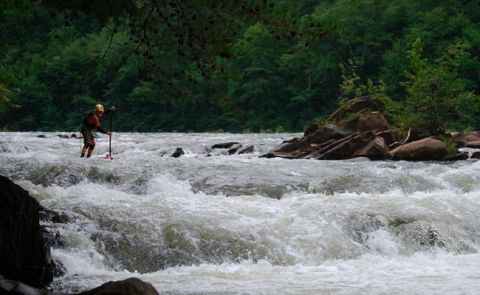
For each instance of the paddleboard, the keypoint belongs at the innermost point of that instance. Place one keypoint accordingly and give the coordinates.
(107, 156)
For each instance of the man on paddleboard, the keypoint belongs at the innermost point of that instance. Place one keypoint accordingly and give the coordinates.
(91, 122)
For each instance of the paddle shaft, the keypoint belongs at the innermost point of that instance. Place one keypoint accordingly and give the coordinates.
(110, 137)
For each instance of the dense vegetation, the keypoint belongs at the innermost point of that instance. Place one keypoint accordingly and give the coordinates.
(240, 66)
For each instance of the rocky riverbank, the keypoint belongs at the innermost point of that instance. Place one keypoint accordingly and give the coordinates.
(360, 128)
(26, 264)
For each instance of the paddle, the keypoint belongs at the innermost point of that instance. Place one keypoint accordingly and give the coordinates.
(109, 155)
(110, 139)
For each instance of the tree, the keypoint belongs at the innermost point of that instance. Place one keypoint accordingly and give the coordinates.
(437, 97)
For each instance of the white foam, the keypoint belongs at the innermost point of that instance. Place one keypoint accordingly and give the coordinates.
(342, 227)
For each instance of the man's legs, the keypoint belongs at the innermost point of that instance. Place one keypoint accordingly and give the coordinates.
(84, 150)
(88, 142)
(90, 148)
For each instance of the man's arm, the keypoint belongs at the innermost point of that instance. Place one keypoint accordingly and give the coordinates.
(93, 120)
(109, 111)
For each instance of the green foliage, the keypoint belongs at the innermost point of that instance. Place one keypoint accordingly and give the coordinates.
(352, 86)
(452, 147)
(437, 97)
(256, 65)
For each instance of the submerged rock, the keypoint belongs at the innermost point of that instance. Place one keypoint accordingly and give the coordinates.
(178, 152)
(234, 148)
(475, 155)
(246, 150)
(25, 255)
(130, 286)
(225, 145)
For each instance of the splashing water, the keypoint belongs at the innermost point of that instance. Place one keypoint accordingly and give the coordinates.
(209, 223)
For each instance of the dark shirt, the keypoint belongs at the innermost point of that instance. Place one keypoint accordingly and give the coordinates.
(92, 121)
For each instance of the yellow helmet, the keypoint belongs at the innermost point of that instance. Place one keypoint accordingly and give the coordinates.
(99, 108)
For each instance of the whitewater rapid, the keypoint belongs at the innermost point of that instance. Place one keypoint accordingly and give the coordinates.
(213, 223)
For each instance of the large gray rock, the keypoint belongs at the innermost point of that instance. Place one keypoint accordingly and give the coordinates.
(130, 286)
(25, 255)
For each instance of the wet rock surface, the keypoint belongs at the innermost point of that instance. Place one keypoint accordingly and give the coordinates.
(178, 152)
(131, 286)
(360, 129)
(25, 253)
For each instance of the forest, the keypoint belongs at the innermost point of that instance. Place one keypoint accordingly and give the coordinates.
(237, 65)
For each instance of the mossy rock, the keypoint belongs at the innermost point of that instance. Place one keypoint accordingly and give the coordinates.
(359, 105)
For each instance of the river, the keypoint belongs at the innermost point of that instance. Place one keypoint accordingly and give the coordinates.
(212, 223)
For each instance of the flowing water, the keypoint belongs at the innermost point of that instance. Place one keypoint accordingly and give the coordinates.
(213, 223)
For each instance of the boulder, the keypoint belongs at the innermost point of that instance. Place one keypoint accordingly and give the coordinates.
(311, 129)
(344, 148)
(60, 218)
(339, 141)
(25, 255)
(475, 155)
(130, 286)
(357, 105)
(421, 150)
(225, 145)
(291, 149)
(377, 149)
(357, 124)
(464, 138)
(387, 136)
(345, 128)
(246, 150)
(178, 152)
(360, 128)
(374, 121)
(234, 148)
(472, 144)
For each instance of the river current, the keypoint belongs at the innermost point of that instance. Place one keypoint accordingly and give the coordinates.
(212, 223)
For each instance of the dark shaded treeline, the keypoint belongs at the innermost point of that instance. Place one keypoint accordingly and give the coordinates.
(237, 65)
